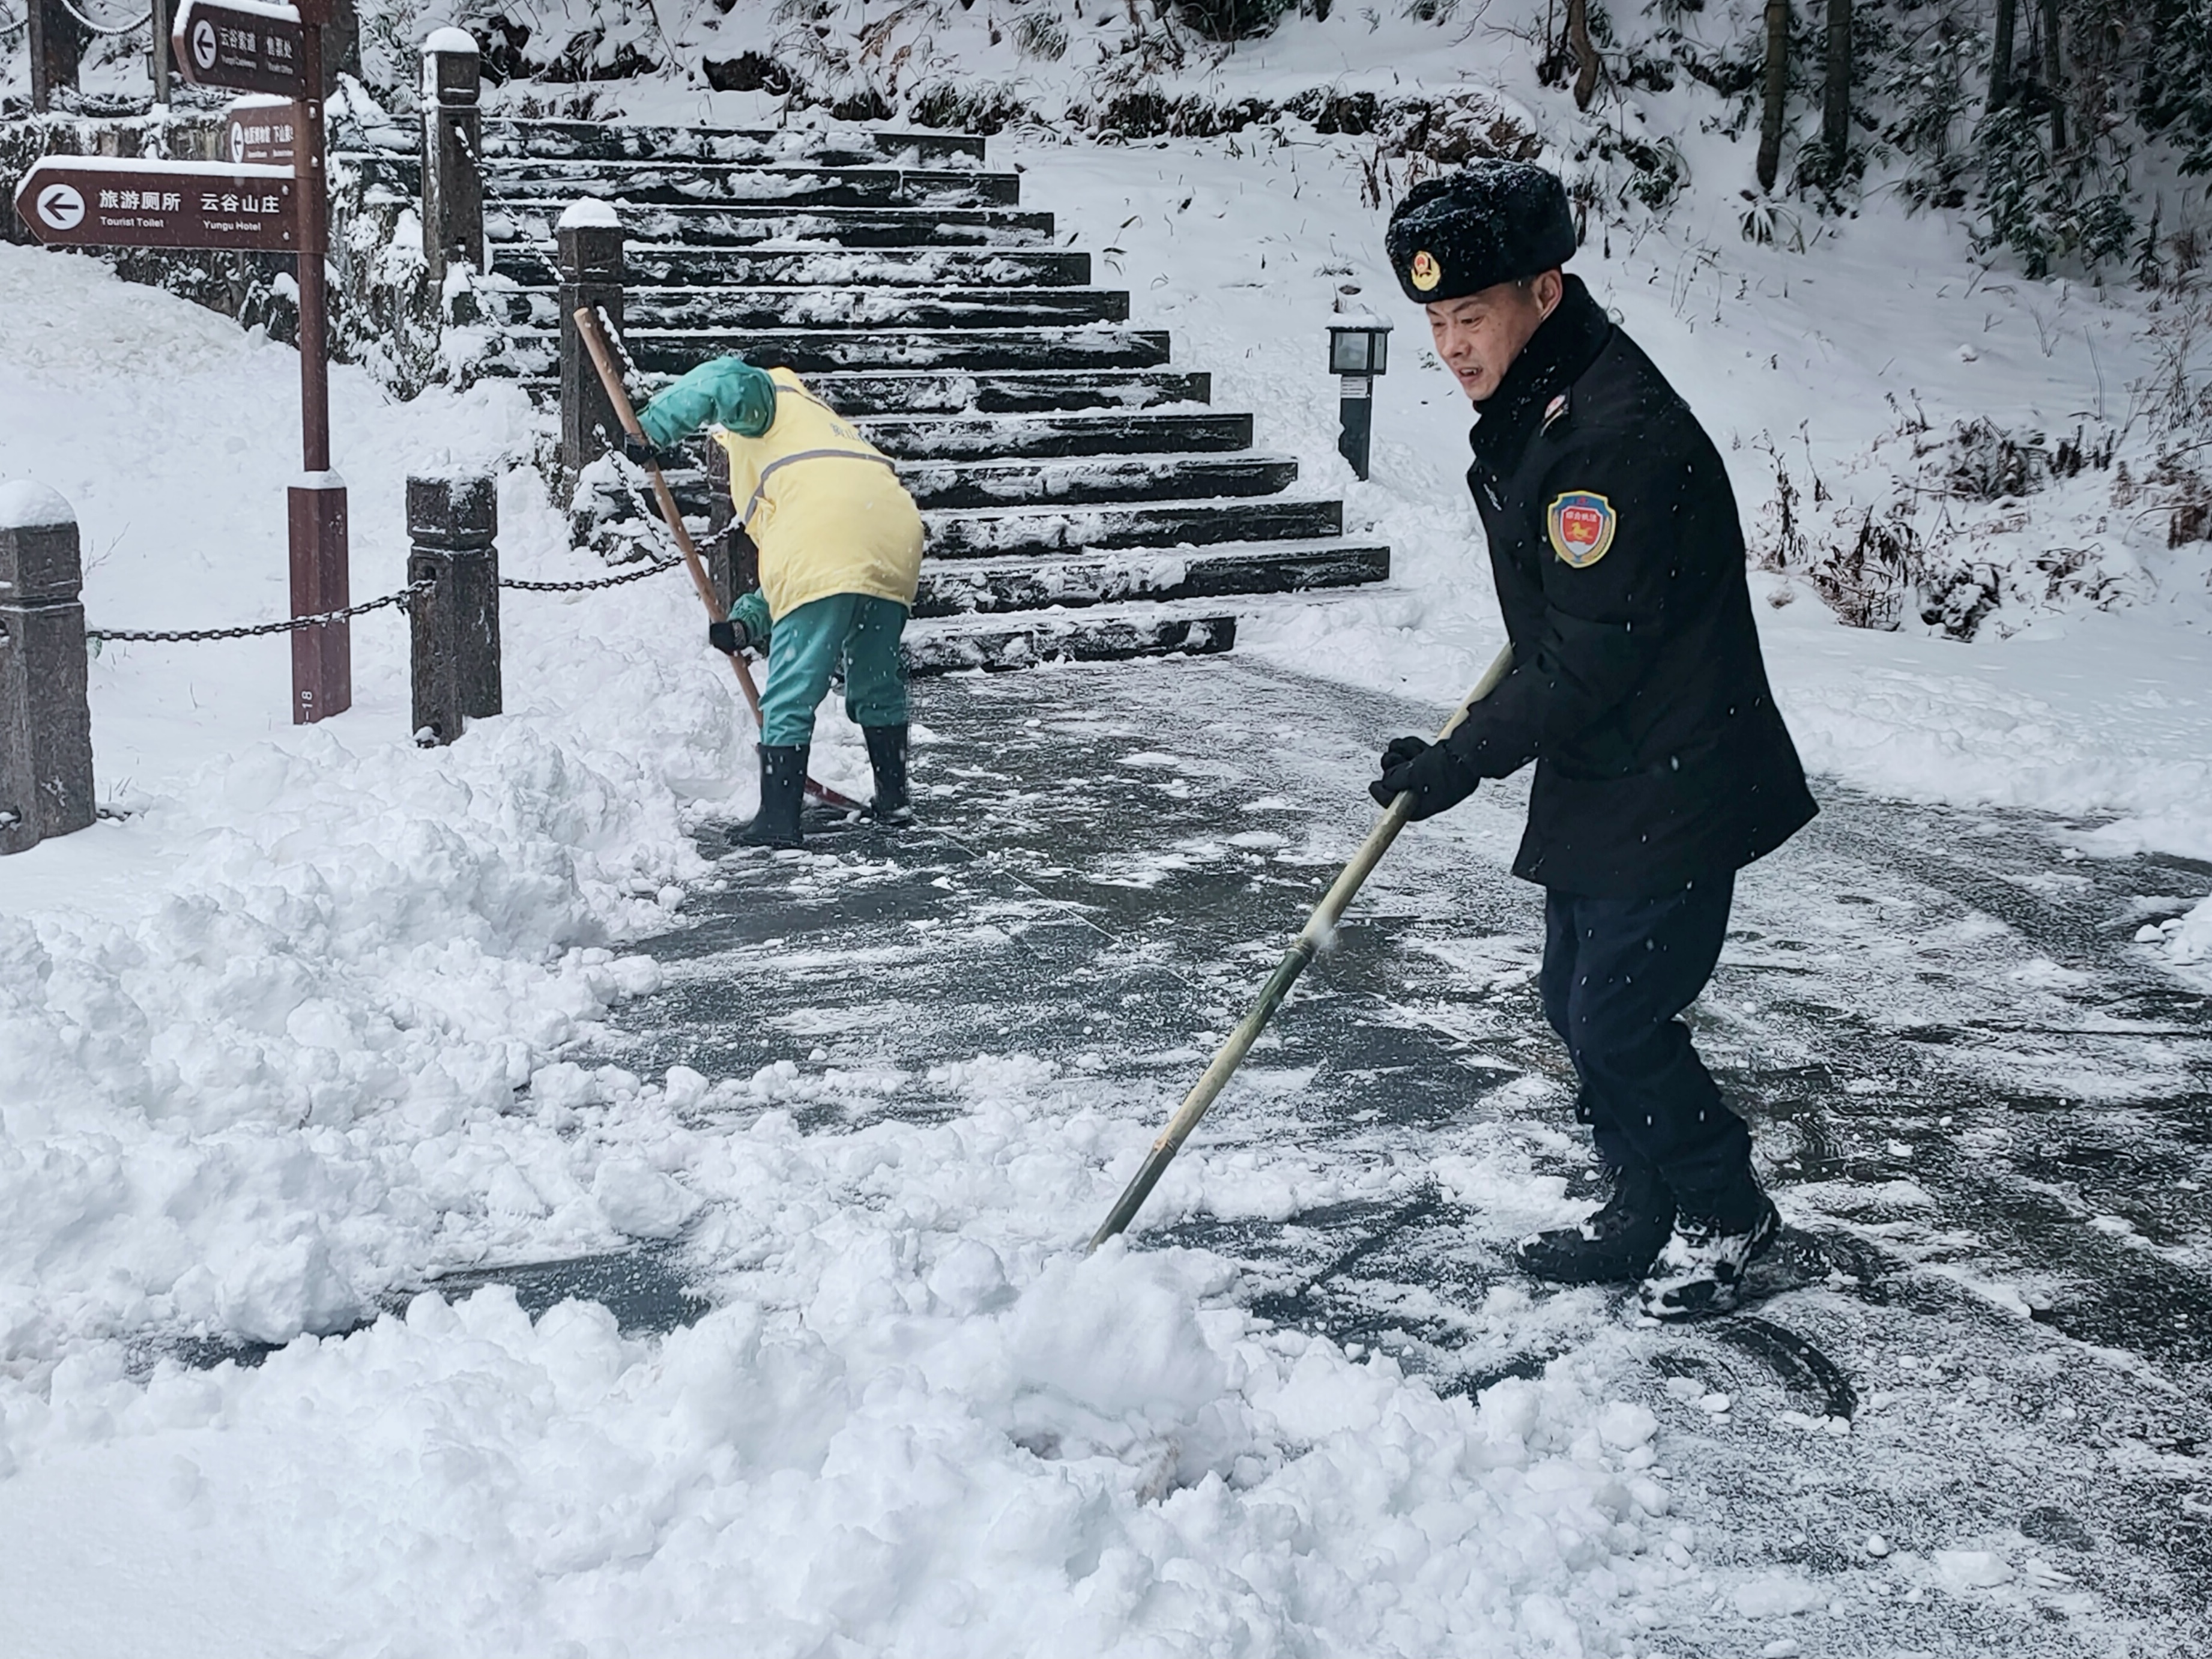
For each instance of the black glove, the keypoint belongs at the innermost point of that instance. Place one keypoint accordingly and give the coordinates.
(1438, 778)
(730, 636)
(640, 451)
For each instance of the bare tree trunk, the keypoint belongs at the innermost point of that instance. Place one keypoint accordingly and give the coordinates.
(1836, 93)
(2054, 73)
(1585, 54)
(1777, 91)
(2000, 51)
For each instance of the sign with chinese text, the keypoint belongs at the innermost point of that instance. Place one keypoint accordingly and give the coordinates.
(83, 201)
(240, 44)
(263, 132)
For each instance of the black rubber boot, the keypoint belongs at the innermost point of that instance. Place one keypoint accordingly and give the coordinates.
(1616, 1245)
(887, 757)
(782, 792)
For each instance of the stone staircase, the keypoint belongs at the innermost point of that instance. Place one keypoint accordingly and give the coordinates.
(1082, 500)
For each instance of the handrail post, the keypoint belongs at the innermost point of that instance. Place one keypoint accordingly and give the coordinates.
(453, 147)
(452, 523)
(590, 241)
(46, 715)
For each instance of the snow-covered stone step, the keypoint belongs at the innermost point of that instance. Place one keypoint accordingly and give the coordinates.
(1104, 633)
(920, 395)
(861, 394)
(932, 437)
(1072, 481)
(613, 141)
(851, 187)
(509, 138)
(1007, 482)
(686, 182)
(756, 308)
(537, 351)
(992, 587)
(1043, 532)
(668, 264)
(822, 227)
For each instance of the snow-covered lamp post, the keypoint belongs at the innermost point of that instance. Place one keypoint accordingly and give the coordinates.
(1359, 350)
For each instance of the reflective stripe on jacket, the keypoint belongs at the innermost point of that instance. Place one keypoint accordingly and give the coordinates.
(823, 506)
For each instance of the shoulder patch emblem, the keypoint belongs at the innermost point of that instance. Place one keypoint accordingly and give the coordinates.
(1581, 526)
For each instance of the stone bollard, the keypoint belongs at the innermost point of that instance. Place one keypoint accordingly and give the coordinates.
(452, 519)
(590, 240)
(57, 42)
(732, 561)
(46, 719)
(453, 146)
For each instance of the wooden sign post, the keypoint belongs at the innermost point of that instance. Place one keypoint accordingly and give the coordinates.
(251, 46)
(278, 49)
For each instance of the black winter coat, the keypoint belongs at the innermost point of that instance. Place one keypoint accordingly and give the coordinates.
(1637, 687)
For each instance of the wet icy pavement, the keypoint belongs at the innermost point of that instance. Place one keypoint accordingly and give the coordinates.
(1984, 1110)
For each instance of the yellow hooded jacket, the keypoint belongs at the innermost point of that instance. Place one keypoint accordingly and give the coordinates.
(824, 506)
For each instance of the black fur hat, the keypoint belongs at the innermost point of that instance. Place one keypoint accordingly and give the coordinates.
(1490, 222)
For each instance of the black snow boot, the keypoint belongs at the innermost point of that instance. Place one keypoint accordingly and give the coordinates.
(782, 793)
(1701, 1271)
(887, 759)
(1616, 1245)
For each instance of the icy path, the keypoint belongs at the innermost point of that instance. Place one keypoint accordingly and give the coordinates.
(1985, 1110)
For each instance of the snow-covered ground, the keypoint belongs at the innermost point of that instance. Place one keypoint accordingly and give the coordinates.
(285, 1043)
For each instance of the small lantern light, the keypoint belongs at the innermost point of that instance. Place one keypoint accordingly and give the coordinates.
(1359, 350)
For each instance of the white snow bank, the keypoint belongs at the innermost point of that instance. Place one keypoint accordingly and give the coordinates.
(858, 1462)
(259, 1044)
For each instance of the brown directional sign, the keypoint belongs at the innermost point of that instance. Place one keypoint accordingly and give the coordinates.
(263, 132)
(91, 202)
(240, 44)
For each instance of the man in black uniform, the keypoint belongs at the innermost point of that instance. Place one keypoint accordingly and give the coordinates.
(1662, 766)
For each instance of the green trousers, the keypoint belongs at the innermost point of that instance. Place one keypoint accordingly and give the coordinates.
(856, 629)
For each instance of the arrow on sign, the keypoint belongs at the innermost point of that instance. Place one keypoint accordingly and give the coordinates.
(61, 207)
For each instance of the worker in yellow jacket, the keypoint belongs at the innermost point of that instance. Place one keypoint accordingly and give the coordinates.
(840, 545)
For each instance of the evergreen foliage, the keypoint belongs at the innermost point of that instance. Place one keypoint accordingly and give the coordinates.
(2176, 99)
(2059, 152)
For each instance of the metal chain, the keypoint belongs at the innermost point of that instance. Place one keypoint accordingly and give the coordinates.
(291, 625)
(602, 581)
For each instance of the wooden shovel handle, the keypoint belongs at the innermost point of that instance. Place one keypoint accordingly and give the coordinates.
(595, 342)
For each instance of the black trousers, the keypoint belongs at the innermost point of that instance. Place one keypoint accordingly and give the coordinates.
(1617, 972)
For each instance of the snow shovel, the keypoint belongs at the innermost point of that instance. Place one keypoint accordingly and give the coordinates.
(1319, 928)
(595, 342)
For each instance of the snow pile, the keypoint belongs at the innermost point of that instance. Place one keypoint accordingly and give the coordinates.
(2188, 940)
(255, 1105)
(254, 1040)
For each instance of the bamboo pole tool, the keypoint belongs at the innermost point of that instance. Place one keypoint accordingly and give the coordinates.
(1319, 928)
(595, 342)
